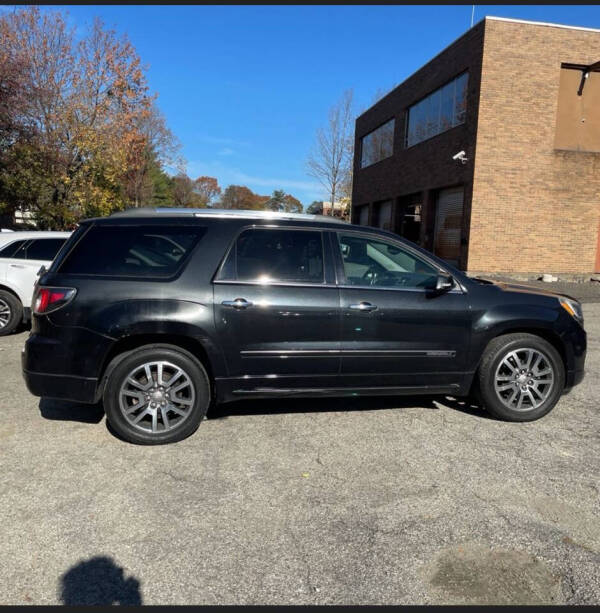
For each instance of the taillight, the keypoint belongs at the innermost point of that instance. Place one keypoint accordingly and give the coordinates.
(48, 299)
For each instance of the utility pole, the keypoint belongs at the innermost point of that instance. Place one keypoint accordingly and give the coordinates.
(472, 14)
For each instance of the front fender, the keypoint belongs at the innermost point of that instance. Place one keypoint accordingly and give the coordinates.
(503, 319)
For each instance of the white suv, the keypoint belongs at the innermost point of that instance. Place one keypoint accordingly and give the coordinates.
(22, 254)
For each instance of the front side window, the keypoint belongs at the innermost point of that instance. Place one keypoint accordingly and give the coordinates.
(9, 250)
(441, 110)
(378, 144)
(44, 248)
(275, 256)
(132, 251)
(376, 262)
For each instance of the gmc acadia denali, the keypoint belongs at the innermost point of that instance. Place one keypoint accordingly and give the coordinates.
(159, 312)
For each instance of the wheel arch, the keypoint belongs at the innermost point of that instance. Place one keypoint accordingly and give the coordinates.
(10, 290)
(126, 345)
(547, 334)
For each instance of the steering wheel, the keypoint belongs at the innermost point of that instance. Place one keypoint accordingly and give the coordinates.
(371, 275)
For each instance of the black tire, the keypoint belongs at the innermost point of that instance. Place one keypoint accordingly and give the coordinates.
(15, 316)
(494, 354)
(118, 373)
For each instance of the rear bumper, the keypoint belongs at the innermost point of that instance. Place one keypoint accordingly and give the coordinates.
(52, 385)
(64, 387)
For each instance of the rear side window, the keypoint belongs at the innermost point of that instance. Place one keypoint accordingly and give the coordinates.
(132, 251)
(9, 251)
(44, 248)
(265, 256)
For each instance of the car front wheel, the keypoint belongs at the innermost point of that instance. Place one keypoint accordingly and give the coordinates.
(156, 394)
(521, 377)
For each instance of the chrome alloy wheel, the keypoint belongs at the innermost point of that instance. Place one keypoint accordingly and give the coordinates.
(157, 397)
(5, 313)
(524, 379)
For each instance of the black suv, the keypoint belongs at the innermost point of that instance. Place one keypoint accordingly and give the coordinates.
(160, 312)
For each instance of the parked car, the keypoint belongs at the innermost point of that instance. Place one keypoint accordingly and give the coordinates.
(160, 312)
(22, 254)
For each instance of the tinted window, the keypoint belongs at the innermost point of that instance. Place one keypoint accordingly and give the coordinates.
(44, 248)
(441, 110)
(141, 251)
(8, 251)
(378, 144)
(276, 255)
(382, 264)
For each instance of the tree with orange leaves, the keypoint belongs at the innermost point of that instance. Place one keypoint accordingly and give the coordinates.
(77, 120)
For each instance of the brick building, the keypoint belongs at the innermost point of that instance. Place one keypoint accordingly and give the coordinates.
(522, 101)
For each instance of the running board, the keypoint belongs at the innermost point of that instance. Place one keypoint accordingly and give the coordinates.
(346, 391)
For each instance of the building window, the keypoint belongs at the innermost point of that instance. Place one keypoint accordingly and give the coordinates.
(378, 144)
(439, 111)
(578, 114)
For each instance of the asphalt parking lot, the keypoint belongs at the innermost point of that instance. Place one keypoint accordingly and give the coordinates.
(368, 501)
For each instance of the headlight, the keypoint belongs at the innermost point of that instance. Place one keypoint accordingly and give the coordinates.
(572, 307)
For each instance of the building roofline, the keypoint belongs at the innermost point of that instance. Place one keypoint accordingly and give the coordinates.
(412, 74)
(487, 17)
(542, 23)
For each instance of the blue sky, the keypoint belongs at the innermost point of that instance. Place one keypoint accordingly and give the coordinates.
(244, 88)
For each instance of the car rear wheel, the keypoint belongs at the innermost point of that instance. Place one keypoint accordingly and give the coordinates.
(11, 313)
(156, 394)
(521, 377)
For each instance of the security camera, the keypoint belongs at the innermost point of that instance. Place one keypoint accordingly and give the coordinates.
(460, 156)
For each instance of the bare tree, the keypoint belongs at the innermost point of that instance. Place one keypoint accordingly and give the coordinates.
(331, 160)
(159, 147)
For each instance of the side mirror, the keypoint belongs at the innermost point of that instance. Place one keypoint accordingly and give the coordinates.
(444, 283)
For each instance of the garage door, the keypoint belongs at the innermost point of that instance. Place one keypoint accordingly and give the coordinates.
(363, 215)
(385, 215)
(448, 224)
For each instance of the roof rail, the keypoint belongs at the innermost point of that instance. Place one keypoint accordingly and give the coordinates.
(224, 213)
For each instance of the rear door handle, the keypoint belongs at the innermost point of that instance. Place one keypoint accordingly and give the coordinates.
(17, 266)
(238, 303)
(363, 306)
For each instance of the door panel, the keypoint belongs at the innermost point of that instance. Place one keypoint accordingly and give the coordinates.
(23, 267)
(411, 338)
(22, 275)
(396, 328)
(285, 331)
(277, 309)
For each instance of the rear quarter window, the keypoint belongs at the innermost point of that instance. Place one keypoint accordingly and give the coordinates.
(8, 251)
(132, 251)
(44, 248)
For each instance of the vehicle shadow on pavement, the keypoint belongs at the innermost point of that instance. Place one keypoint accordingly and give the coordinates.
(329, 405)
(99, 581)
(274, 406)
(465, 405)
(63, 410)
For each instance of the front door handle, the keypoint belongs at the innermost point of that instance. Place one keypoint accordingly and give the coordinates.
(363, 306)
(238, 303)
